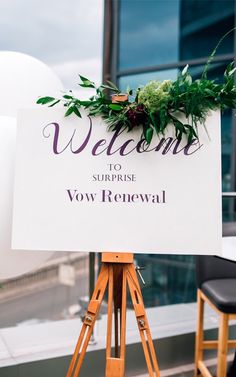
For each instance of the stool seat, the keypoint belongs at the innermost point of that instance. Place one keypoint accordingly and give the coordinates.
(216, 281)
(222, 293)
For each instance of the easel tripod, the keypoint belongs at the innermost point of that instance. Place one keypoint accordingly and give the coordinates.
(117, 272)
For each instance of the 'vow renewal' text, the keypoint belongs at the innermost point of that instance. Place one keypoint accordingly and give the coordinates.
(108, 196)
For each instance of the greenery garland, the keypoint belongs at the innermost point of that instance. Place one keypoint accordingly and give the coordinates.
(156, 104)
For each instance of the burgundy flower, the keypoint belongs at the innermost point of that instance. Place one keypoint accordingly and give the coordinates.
(137, 115)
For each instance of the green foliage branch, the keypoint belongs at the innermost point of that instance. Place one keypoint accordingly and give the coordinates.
(157, 104)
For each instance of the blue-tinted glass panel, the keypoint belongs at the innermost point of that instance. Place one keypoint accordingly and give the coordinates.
(202, 24)
(195, 29)
(149, 32)
(134, 81)
(170, 279)
(216, 72)
(229, 209)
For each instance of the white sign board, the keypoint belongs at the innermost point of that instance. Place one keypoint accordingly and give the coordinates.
(79, 187)
(229, 248)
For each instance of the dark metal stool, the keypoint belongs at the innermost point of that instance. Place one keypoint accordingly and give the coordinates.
(216, 281)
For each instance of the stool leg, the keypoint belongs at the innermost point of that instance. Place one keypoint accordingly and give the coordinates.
(199, 333)
(223, 345)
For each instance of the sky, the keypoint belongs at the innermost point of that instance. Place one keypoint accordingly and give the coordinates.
(66, 35)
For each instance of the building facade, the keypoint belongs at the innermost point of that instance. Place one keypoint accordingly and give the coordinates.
(155, 39)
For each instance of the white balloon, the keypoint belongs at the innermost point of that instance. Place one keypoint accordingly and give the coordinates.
(12, 262)
(22, 80)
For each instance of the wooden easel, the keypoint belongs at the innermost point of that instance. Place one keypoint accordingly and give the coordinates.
(116, 273)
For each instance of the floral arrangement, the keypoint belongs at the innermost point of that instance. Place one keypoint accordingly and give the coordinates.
(157, 104)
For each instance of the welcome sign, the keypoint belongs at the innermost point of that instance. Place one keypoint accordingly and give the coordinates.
(79, 187)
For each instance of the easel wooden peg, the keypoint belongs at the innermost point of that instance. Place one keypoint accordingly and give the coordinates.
(117, 273)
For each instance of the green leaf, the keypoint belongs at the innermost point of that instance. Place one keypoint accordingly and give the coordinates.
(115, 106)
(229, 84)
(190, 135)
(194, 133)
(82, 78)
(54, 103)
(211, 57)
(87, 103)
(76, 111)
(104, 86)
(154, 120)
(66, 96)
(149, 135)
(69, 111)
(86, 83)
(188, 79)
(184, 71)
(110, 83)
(96, 110)
(45, 100)
(210, 92)
(232, 71)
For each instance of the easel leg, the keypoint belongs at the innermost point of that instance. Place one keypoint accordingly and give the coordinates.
(123, 315)
(116, 328)
(115, 366)
(110, 311)
(144, 330)
(87, 328)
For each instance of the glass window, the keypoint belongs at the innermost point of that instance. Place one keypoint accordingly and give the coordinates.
(162, 32)
(216, 71)
(149, 33)
(159, 32)
(134, 81)
(202, 24)
(170, 279)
